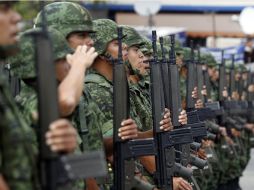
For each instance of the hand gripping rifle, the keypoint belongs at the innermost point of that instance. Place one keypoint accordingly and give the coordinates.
(191, 84)
(206, 112)
(198, 127)
(175, 107)
(214, 105)
(57, 170)
(228, 107)
(164, 141)
(200, 76)
(232, 107)
(126, 151)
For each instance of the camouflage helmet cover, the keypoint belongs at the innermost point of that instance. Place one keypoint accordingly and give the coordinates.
(208, 59)
(23, 64)
(146, 47)
(133, 38)
(66, 17)
(106, 31)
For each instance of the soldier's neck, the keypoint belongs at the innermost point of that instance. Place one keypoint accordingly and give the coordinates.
(133, 78)
(104, 68)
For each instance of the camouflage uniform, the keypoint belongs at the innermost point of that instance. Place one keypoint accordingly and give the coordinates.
(139, 100)
(22, 65)
(17, 145)
(99, 87)
(67, 18)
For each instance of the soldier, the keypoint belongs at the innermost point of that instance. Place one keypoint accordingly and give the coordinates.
(77, 30)
(138, 72)
(72, 20)
(22, 65)
(17, 151)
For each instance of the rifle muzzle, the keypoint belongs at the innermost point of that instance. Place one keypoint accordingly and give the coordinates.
(211, 136)
(140, 184)
(232, 123)
(195, 161)
(214, 127)
(183, 171)
(195, 146)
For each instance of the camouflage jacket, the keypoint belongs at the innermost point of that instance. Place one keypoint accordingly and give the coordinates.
(17, 144)
(81, 118)
(183, 91)
(101, 91)
(84, 119)
(142, 106)
(214, 91)
(144, 85)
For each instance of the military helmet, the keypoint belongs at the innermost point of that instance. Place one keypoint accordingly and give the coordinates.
(106, 31)
(133, 38)
(66, 17)
(146, 47)
(208, 59)
(243, 68)
(23, 64)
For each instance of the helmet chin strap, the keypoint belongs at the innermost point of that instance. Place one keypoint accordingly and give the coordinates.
(108, 57)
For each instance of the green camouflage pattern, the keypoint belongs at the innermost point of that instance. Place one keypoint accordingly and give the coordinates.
(23, 63)
(142, 106)
(144, 86)
(106, 31)
(28, 104)
(17, 144)
(214, 90)
(183, 87)
(208, 60)
(146, 47)
(66, 17)
(243, 68)
(133, 38)
(178, 47)
(101, 91)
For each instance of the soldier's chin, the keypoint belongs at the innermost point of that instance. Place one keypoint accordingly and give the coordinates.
(11, 40)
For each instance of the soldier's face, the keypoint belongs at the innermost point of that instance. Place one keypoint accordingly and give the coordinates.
(245, 76)
(237, 76)
(136, 58)
(8, 25)
(62, 69)
(112, 49)
(76, 39)
(213, 73)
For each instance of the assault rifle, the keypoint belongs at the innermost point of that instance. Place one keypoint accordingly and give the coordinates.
(125, 151)
(206, 112)
(198, 127)
(164, 141)
(170, 76)
(57, 170)
(229, 107)
(158, 146)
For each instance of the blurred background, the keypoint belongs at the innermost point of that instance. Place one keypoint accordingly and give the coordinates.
(212, 24)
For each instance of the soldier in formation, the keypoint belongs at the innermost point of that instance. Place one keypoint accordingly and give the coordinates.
(85, 52)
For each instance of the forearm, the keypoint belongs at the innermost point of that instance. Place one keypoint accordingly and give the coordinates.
(149, 163)
(3, 184)
(145, 134)
(108, 146)
(70, 90)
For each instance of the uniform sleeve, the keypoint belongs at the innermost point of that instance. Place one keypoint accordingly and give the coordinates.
(103, 98)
